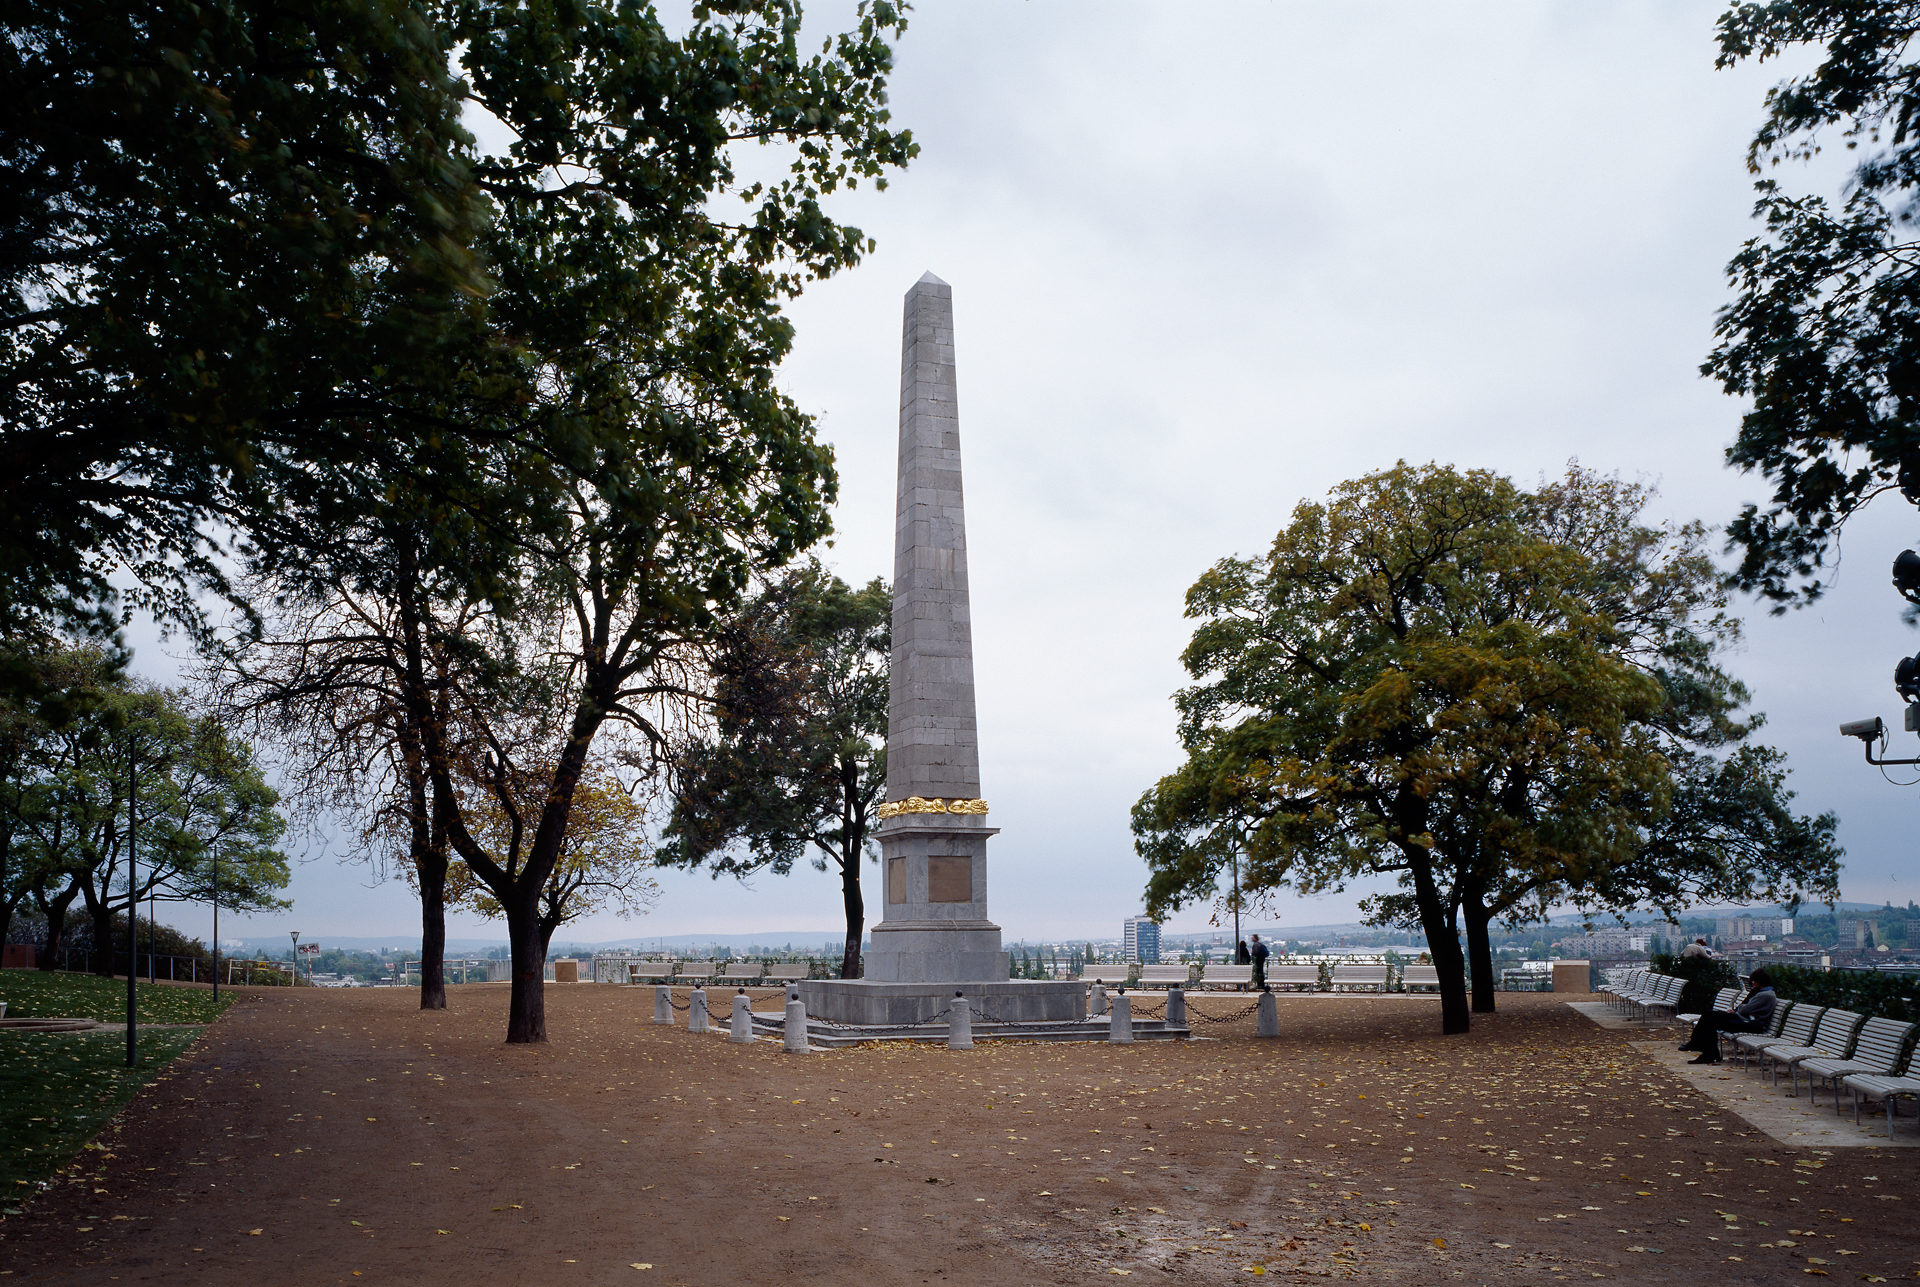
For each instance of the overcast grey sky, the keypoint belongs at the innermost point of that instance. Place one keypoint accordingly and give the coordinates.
(1207, 262)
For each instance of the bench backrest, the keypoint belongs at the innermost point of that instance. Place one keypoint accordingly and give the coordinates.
(1293, 974)
(1726, 999)
(750, 970)
(1164, 974)
(1420, 976)
(1227, 974)
(1798, 1029)
(1670, 986)
(691, 970)
(1104, 973)
(1881, 1043)
(1359, 974)
(788, 970)
(1835, 1034)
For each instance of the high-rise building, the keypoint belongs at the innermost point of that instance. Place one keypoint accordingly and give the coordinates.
(1140, 940)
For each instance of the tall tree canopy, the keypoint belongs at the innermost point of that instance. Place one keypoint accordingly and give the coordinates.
(1823, 333)
(1503, 699)
(659, 197)
(795, 759)
(232, 235)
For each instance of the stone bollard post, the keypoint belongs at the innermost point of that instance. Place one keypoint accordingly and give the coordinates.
(796, 1041)
(1176, 1007)
(663, 1005)
(1098, 1006)
(959, 1023)
(1120, 1021)
(742, 1029)
(1267, 1022)
(697, 1010)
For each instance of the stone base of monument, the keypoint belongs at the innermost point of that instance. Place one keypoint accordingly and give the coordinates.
(933, 1028)
(881, 1003)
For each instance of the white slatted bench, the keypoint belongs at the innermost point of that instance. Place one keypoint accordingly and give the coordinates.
(1880, 1051)
(1372, 978)
(745, 975)
(1293, 976)
(1832, 1039)
(649, 971)
(1108, 974)
(1420, 976)
(1164, 976)
(1226, 976)
(1797, 1030)
(1621, 990)
(1866, 1086)
(693, 972)
(784, 972)
(1666, 996)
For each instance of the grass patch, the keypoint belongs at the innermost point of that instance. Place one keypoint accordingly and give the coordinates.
(58, 1090)
(36, 994)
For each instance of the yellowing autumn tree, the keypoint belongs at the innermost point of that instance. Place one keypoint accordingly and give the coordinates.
(1505, 700)
(603, 858)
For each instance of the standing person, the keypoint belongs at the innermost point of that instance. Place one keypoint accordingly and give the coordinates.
(1259, 954)
(1241, 956)
(1753, 1014)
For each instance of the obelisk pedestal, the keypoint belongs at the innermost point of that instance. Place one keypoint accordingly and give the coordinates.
(934, 936)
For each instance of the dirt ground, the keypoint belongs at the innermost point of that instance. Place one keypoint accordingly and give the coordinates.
(319, 1137)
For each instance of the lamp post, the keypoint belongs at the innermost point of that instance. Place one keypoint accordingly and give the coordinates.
(133, 920)
(294, 962)
(216, 925)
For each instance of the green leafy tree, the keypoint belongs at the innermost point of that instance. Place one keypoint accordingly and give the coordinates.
(1477, 691)
(232, 230)
(795, 763)
(205, 825)
(651, 325)
(1820, 334)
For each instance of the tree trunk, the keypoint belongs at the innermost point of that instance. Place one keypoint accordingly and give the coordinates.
(1442, 944)
(527, 1007)
(55, 912)
(103, 941)
(856, 906)
(1479, 949)
(433, 932)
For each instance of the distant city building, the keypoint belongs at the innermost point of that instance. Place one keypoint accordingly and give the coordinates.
(1140, 940)
(1755, 926)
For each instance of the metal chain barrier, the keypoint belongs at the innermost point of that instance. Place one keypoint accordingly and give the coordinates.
(984, 1016)
(1196, 1013)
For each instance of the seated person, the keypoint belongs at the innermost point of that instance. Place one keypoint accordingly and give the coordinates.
(1753, 1014)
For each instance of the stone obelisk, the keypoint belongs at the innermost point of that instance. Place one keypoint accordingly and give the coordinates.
(933, 833)
(933, 938)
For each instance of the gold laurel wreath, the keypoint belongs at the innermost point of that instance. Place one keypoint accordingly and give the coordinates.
(921, 804)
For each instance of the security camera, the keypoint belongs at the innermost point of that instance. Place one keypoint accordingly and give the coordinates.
(1867, 730)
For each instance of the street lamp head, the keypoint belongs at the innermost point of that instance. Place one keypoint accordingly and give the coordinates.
(1906, 678)
(1906, 574)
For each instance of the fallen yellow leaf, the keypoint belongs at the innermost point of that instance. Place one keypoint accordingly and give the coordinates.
(639, 1264)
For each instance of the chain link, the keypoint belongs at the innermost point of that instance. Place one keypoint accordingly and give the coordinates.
(1204, 1017)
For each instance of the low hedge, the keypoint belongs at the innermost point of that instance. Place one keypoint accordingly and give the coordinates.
(1881, 995)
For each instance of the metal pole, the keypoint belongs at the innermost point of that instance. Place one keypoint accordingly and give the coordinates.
(216, 926)
(1234, 855)
(133, 920)
(293, 962)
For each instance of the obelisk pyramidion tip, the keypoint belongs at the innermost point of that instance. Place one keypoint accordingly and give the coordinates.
(929, 277)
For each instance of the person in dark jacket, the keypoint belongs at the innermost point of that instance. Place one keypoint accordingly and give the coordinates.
(1241, 956)
(1259, 954)
(1753, 1014)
